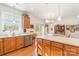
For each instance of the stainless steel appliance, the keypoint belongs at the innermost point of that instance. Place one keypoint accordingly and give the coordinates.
(27, 40)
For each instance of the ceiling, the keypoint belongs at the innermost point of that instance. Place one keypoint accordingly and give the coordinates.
(48, 10)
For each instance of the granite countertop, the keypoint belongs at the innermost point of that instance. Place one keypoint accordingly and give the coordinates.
(61, 39)
(10, 35)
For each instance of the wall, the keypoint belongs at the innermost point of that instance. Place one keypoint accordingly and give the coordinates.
(70, 21)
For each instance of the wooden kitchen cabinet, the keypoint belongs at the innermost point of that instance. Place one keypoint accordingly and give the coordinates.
(26, 21)
(69, 53)
(52, 48)
(71, 50)
(56, 49)
(13, 43)
(19, 42)
(46, 44)
(7, 45)
(1, 46)
(46, 50)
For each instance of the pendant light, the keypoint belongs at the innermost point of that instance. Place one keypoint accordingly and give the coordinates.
(59, 16)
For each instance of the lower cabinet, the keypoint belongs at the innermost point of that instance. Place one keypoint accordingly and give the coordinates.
(10, 44)
(69, 53)
(7, 45)
(19, 42)
(71, 50)
(13, 43)
(1, 46)
(56, 51)
(46, 50)
(51, 48)
(46, 45)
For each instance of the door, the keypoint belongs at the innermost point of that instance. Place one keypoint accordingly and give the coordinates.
(1, 46)
(46, 44)
(47, 50)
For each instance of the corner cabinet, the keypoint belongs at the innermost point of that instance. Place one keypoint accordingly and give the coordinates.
(26, 21)
(1, 46)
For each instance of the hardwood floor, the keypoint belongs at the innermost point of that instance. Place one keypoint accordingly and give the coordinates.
(28, 51)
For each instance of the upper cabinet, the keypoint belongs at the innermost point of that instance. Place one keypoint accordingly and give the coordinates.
(26, 22)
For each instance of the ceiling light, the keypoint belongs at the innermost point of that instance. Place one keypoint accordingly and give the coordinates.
(13, 22)
(46, 21)
(59, 19)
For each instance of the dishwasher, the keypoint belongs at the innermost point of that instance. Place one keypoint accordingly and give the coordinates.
(27, 40)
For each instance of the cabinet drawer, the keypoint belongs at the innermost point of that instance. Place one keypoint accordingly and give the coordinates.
(56, 44)
(70, 48)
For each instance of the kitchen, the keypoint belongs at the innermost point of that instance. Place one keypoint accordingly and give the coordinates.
(39, 29)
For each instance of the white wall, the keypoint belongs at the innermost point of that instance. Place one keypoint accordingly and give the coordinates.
(71, 21)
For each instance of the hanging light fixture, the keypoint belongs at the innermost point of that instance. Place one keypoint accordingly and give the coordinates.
(59, 16)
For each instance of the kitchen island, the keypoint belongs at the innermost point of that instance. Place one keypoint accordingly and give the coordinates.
(52, 45)
(10, 43)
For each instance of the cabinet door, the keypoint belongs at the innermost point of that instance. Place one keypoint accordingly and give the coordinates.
(46, 44)
(47, 50)
(19, 42)
(13, 43)
(57, 51)
(68, 53)
(52, 50)
(26, 21)
(7, 46)
(1, 46)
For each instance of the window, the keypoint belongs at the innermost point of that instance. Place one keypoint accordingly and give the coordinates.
(39, 29)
